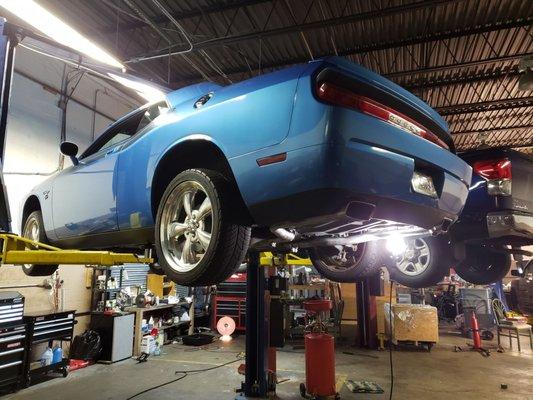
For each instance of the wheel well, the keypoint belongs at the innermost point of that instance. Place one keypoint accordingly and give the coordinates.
(194, 154)
(32, 204)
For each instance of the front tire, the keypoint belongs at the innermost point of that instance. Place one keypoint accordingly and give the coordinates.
(198, 240)
(482, 266)
(347, 263)
(33, 228)
(425, 262)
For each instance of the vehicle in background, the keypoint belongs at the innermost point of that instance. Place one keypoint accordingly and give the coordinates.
(495, 224)
(326, 157)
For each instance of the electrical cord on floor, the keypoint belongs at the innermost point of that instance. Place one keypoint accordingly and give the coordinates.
(184, 374)
(208, 369)
(390, 342)
(157, 387)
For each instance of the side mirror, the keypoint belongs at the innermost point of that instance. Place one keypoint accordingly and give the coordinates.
(70, 149)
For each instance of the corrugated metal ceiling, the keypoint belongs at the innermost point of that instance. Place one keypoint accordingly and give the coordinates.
(461, 56)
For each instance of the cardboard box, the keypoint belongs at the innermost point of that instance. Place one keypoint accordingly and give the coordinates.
(413, 322)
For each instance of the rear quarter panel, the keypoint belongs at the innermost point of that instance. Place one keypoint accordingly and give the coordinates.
(239, 119)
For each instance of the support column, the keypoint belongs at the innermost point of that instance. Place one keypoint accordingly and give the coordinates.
(257, 334)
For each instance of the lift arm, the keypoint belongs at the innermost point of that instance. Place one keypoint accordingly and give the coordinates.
(18, 250)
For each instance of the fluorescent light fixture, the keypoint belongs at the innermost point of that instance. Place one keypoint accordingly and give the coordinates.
(41, 19)
(147, 92)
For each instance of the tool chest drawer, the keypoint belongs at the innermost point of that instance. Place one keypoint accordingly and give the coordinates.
(12, 353)
(53, 326)
(11, 308)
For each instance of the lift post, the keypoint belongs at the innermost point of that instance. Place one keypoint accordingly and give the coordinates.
(8, 42)
(255, 383)
(261, 342)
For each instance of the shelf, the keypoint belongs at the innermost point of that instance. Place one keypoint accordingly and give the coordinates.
(155, 308)
(172, 326)
(319, 286)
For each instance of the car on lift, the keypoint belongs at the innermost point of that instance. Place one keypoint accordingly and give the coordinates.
(496, 222)
(327, 157)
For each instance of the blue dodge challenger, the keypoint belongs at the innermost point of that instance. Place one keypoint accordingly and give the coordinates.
(326, 157)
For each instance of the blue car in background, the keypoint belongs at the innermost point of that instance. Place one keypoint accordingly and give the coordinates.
(326, 157)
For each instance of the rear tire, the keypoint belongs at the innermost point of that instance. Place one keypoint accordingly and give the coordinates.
(198, 240)
(33, 228)
(426, 261)
(482, 266)
(353, 266)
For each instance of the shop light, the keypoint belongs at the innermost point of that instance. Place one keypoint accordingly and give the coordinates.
(46, 22)
(147, 92)
(396, 245)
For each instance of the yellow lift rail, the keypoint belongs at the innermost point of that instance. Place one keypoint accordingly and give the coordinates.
(268, 259)
(18, 250)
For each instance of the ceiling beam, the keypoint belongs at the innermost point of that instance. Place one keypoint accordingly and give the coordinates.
(393, 44)
(199, 12)
(482, 76)
(348, 19)
(492, 105)
(466, 64)
(494, 130)
(513, 144)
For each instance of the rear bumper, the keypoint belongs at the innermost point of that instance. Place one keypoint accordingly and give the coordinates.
(505, 224)
(326, 187)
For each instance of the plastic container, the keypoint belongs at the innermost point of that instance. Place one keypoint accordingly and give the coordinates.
(46, 357)
(57, 355)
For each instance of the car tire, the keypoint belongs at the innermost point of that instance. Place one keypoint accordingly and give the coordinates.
(33, 228)
(481, 266)
(199, 244)
(426, 261)
(360, 263)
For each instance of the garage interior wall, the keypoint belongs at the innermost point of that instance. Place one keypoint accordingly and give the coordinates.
(32, 152)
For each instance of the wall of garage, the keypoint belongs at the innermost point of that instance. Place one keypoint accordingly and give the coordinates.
(32, 153)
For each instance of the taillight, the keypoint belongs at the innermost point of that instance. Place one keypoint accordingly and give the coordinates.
(498, 174)
(340, 96)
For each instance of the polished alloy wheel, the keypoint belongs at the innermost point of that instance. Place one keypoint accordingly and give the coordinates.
(31, 229)
(415, 260)
(186, 226)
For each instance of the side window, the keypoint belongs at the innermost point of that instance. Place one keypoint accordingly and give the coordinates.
(152, 113)
(116, 139)
(122, 132)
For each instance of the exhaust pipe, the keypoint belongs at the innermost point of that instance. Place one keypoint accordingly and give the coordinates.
(284, 234)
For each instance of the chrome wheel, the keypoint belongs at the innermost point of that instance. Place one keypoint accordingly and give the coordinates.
(186, 226)
(31, 229)
(416, 258)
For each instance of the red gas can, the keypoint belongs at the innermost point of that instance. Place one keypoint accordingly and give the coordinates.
(320, 364)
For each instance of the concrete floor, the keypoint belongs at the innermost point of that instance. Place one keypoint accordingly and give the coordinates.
(440, 374)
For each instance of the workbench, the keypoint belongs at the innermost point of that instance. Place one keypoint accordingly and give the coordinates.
(145, 313)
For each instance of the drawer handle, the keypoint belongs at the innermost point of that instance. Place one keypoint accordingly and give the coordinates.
(12, 338)
(5, 353)
(10, 364)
